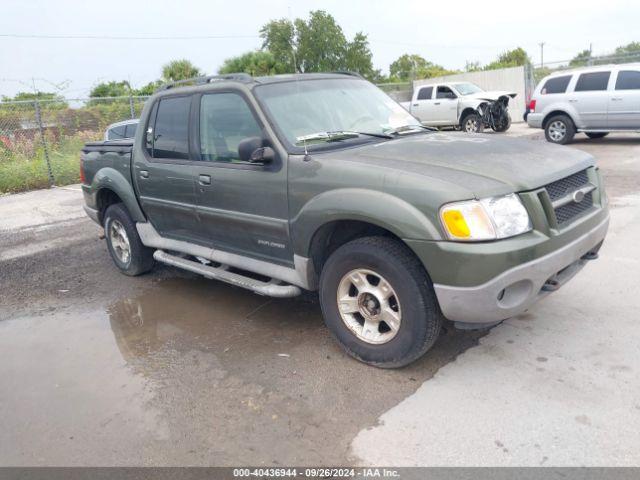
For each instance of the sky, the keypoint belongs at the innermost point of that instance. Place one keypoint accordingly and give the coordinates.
(446, 33)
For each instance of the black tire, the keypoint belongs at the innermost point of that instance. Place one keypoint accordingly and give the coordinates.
(504, 126)
(469, 120)
(561, 123)
(140, 259)
(596, 134)
(421, 319)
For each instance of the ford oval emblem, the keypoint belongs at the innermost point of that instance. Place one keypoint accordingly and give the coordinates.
(578, 196)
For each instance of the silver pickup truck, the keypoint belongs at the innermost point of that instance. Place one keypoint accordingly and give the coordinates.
(461, 105)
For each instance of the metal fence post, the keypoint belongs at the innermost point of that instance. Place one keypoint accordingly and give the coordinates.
(131, 108)
(44, 143)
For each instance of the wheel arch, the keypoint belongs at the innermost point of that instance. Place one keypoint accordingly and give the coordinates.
(324, 224)
(553, 113)
(110, 187)
(467, 111)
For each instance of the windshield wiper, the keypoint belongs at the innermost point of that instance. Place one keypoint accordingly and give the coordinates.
(338, 135)
(409, 128)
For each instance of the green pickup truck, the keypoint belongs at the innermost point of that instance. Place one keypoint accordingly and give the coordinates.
(322, 182)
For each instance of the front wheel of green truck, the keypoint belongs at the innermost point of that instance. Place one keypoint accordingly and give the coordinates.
(378, 302)
(124, 244)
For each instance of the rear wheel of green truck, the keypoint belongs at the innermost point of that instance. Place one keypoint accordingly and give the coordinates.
(124, 244)
(378, 302)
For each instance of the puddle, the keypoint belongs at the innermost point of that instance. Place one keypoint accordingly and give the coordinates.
(197, 372)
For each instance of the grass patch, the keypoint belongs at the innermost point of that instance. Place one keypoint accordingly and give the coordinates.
(20, 173)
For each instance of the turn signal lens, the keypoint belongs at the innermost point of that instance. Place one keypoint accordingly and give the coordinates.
(467, 221)
(456, 224)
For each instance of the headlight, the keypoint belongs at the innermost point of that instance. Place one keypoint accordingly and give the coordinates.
(486, 219)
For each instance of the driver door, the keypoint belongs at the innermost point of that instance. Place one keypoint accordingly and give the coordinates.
(445, 106)
(241, 206)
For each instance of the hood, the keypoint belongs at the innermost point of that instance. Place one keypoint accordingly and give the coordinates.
(491, 95)
(482, 164)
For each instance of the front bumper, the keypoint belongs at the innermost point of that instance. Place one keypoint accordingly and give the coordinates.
(514, 290)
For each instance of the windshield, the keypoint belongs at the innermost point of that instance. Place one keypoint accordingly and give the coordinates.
(304, 109)
(467, 88)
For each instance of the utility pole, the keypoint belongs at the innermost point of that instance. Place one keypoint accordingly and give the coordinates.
(541, 54)
(589, 62)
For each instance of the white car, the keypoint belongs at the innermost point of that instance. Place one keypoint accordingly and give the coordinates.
(594, 100)
(461, 104)
(125, 130)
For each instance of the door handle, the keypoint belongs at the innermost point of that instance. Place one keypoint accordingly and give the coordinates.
(416, 104)
(615, 99)
(573, 100)
(144, 174)
(204, 179)
(436, 103)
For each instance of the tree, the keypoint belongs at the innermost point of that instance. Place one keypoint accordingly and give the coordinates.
(627, 53)
(50, 100)
(179, 70)
(110, 89)
(511, 58)
(408, 67)
(358, 57)
(148, 89)
(316, 45)
(279, 38)
(472, 66)
(581, 58)
(254, 63)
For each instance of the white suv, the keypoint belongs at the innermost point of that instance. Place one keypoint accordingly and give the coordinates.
(594, 100)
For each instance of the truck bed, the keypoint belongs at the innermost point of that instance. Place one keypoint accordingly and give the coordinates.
(113, 153)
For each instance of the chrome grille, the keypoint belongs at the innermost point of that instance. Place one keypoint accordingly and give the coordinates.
(566, 186)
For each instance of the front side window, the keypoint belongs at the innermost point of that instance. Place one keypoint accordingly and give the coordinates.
(556, 85)
(225, 120)
(171, 130)
(425, 93)
(628, 80)
(445, 92)
(117, 133)
(589, 82)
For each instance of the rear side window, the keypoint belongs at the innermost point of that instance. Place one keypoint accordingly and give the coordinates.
(556, 85)
(425, 93)
(117, 133)
(171, 130)
(596, 81)
(628, 80)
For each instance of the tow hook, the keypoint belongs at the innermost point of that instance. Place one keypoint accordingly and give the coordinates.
(592, 255)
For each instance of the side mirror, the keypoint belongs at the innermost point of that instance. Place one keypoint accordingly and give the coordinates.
(262, 155)
(251, 150)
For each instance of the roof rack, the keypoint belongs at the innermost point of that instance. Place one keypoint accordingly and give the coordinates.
(237, 77)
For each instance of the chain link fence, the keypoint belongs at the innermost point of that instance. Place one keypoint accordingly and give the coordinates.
(40, 140)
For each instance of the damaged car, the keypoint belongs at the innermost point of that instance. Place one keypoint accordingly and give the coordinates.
(461, 105)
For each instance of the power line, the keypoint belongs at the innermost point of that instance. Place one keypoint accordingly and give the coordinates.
(123, 37)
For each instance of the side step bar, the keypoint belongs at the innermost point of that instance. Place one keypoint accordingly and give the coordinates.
(270, 289)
